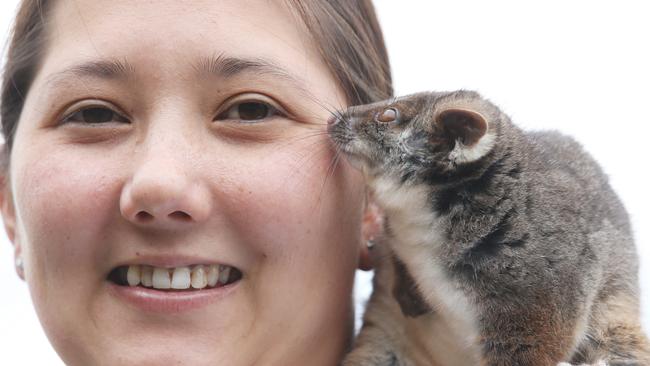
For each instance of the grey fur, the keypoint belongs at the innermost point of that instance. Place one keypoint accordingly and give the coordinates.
(530, 234)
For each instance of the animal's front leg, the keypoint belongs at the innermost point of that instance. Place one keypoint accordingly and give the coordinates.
(380, 341)
(374, 347)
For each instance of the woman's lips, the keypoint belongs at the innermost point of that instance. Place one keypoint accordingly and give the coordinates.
(172, 284)
(170, 301)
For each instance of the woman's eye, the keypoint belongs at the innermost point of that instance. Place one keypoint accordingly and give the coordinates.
(95, 115)
(249, 112)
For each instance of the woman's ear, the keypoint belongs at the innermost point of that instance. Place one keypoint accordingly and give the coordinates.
(8, 211)
(371, 228)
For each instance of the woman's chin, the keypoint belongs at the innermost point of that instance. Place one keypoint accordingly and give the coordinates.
(165, 348)
(186, 354)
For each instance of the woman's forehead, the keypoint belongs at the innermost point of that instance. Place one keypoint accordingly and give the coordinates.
(177, 38)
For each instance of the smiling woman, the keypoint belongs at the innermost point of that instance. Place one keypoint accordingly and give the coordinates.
(169, 189)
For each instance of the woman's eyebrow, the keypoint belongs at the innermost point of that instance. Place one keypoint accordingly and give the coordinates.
(228, 66)
(109, 69)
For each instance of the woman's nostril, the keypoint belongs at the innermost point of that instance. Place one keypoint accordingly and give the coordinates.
(180, 215)
(143, 216)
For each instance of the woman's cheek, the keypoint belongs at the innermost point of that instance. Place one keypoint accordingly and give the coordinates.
(304, 217)
(63, 202)
(287, 196)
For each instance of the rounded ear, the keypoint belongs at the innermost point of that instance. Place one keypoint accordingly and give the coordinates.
(8, 212)
(6, 200)
(462, 124)
(372, 227)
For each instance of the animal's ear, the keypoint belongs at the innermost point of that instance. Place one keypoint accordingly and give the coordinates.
(462, 124)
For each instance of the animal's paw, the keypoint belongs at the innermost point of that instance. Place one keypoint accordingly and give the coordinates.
(599, 363)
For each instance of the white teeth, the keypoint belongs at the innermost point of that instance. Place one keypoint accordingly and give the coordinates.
(225, 273)
(133, 275)
(181, 278)
(199, 279)
(147, 276)
(161, 278)
(213, 275)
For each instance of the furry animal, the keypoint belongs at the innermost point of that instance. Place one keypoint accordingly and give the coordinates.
(501, 247)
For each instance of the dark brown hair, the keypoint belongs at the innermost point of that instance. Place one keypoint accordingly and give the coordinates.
(346, 32)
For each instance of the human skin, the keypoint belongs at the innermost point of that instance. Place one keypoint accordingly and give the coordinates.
(259, 196)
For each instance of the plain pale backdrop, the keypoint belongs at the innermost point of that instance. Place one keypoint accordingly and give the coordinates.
(581, 67)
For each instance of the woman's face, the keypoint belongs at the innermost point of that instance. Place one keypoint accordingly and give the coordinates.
(174, 134)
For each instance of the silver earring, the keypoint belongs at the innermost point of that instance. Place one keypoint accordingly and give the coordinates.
(370, 243)
(19, 263)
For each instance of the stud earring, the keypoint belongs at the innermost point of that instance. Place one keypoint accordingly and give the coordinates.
(370, 243)
(19, 263)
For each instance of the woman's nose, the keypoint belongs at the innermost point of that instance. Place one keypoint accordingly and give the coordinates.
(165, 192)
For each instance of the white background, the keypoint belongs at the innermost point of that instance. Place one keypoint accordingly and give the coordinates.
(581, 67)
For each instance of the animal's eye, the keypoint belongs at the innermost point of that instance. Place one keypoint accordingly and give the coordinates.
(249, 111)
(95, 115)
(387, 115)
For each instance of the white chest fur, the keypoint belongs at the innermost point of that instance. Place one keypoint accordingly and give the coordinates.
(450, 337)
